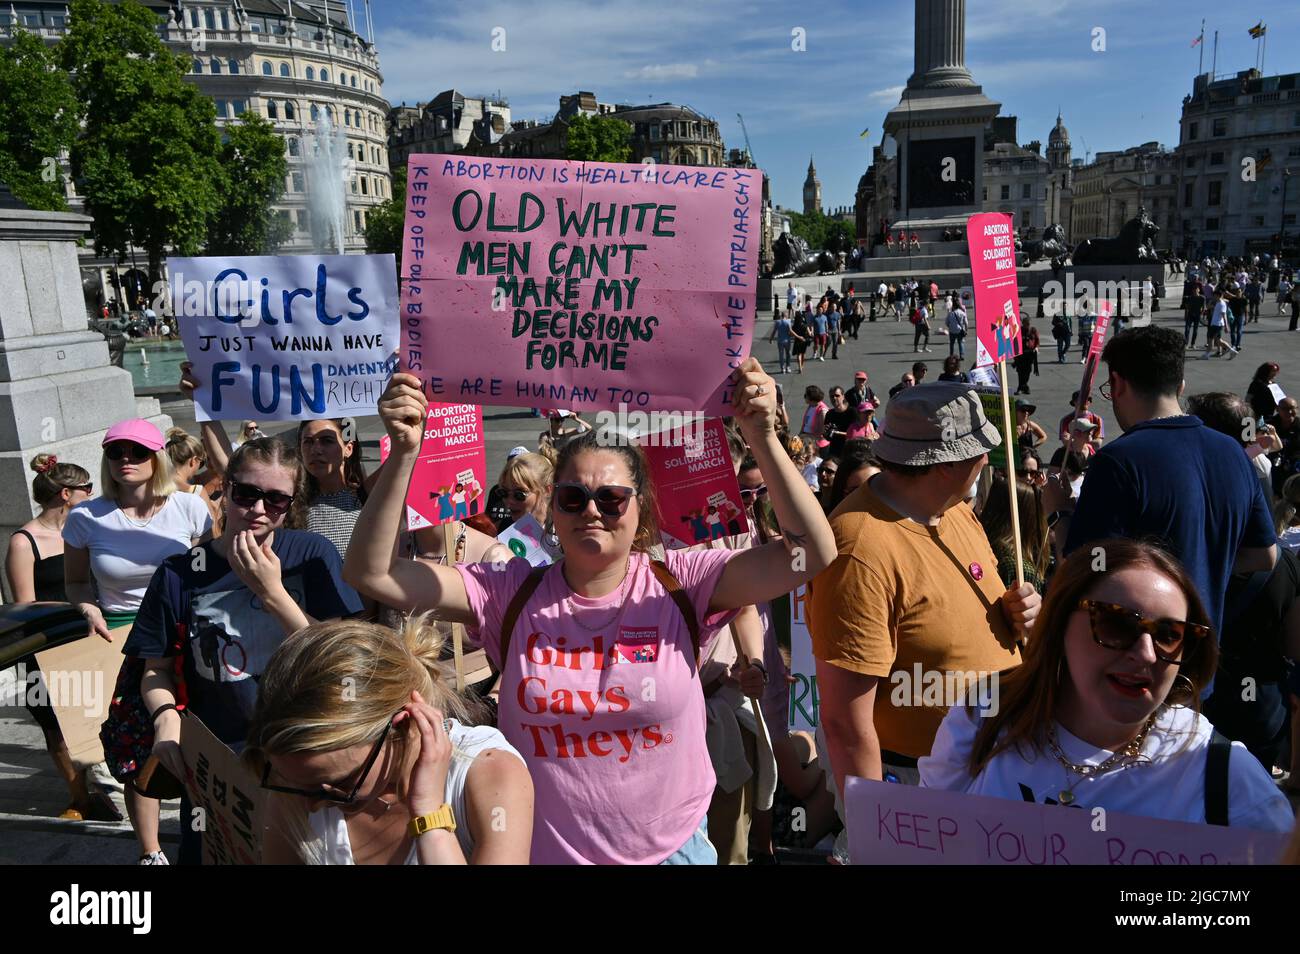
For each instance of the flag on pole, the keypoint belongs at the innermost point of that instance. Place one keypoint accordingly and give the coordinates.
(1197, 41)
(1258, 30)
(863, 134)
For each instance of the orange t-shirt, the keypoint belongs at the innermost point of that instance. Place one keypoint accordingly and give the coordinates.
(901, 594)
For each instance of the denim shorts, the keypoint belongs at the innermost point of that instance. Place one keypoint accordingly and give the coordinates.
(698, 850)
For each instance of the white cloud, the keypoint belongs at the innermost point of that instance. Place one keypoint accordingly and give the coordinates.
(664, 71)
(889, 94)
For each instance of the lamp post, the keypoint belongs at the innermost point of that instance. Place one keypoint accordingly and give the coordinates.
(1281, 234)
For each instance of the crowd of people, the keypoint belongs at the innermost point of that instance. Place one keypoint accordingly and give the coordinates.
(637, 709)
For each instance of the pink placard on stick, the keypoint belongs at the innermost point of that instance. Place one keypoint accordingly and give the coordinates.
(991, 239)
(451, 472)
(894, 824)
(582, 285)
(1094, 356)
(697, 498)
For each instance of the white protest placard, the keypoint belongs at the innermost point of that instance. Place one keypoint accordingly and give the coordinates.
(893, 824)
(224, 790)
(287, 337)
(524, 538)
(1275, 389)
(804, 703)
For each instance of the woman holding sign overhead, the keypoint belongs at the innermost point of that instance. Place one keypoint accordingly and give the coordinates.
(599, 651)
(1104, 711)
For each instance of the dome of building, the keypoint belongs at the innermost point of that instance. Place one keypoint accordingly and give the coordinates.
(1059, 133)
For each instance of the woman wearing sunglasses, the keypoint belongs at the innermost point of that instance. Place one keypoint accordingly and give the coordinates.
(361, 769)
(335, 481)
(600, 690)
(113, 545)
(234, 599)
(1104, 710)
(526, 481)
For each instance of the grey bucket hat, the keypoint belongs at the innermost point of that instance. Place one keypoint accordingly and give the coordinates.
(937, 423)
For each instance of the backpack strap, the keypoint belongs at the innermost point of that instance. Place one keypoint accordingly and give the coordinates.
(1217, 757)
(678, 594)
(522, 595)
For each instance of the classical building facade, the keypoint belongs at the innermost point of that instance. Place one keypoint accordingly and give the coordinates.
(1109, 190)
(450, 122)
(1238, 150)
(664, 132)
(296, 64)
(1015, 181)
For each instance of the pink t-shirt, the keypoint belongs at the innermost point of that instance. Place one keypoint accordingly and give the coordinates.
(610, 722)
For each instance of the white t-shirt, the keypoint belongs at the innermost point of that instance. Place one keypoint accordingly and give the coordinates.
(330, 825)
(123, 554)
(1220, 314)
(1171, 786)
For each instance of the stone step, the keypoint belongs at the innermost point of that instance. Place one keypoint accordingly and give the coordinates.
(920, 261)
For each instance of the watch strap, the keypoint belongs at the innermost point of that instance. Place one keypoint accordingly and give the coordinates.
(442, 818)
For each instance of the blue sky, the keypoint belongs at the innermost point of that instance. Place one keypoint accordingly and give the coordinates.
(724, 58)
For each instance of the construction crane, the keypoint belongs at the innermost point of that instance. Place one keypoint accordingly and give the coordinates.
(748, 147)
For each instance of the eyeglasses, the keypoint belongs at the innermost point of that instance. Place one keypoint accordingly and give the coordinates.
(1104, 390)
(747, 495)
(128, 449)
(87, 488)
(611, 500)
(518, 496)
(246, 495)
(328, 792)
(1118, 627)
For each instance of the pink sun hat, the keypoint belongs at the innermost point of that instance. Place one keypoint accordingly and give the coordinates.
(137, 429)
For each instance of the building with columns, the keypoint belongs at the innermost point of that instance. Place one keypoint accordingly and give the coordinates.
(1109, 191)
(291, 62)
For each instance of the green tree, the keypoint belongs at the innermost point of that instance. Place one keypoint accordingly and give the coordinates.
(598, 139)
(822, 232)
(38, 121)
(385, 222)
(147, 160)
(253, 168)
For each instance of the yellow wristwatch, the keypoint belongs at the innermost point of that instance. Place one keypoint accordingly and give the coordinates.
(442, 818)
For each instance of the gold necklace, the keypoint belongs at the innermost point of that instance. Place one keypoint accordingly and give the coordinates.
(618, 611)
(1130, 754)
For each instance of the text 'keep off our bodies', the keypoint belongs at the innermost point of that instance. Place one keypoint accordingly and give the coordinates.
(572, 297)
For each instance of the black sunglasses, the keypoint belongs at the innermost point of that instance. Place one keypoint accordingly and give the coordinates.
(246, 495)
(88, 488)
(518, 496)
(611, 500)
(129, 449)
(1118, 627)
(327, 792)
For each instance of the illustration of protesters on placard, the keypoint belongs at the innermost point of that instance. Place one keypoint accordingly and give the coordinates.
(1007, 329)
(732, 516)
(717, 530)
(445, 507)
(699, 526)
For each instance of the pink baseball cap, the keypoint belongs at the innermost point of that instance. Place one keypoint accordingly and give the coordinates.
(138, 430)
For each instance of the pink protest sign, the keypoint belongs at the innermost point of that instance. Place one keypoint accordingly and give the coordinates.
(451, 471)
(992, 244)
(546, 283)
(1094, 355)
(896, 824)
(697, 498)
